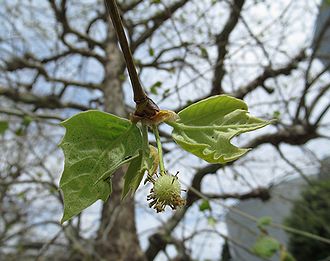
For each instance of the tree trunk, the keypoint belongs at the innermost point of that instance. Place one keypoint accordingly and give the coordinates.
(117, 238)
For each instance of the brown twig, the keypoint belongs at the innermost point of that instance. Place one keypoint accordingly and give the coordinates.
(145, 107)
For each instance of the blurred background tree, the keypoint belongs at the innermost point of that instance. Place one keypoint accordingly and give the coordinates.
(311, 213)
(59, 57)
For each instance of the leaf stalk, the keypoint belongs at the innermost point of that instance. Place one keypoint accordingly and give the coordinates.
(160, 150)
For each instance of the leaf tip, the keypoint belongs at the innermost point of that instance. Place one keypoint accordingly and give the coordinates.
(64, 219)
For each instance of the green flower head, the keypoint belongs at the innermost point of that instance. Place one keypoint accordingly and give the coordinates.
(166, 192)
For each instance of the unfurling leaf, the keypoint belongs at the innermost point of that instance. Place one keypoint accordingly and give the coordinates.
(151, 51)
(264, 221)
(155, 86)
(211, 221)
(266, 246)
(205, 205)
(205, 128)
(95, 145)
(204, 52)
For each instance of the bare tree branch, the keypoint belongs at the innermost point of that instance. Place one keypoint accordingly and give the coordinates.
(157, 20)
(49, 102)
(222, 40)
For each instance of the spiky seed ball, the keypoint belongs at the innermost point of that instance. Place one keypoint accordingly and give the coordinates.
(165, 192)
(167, 188)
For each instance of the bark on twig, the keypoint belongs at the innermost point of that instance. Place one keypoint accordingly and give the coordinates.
(145, 107)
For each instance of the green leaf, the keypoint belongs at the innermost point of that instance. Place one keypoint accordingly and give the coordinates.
(277, 114)
(205, 128)
(95, 145)
(205, 205)
(204, 52)
(264, 221)
(266, 246)
(211, 221)
(3, 126)
(26, 121)
(155, 86)
(134, 175)
(151, 51)
(20, 131)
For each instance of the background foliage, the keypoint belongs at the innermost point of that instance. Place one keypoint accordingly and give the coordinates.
(311, 213)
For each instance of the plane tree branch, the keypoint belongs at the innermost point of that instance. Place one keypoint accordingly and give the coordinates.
(27, 62)
(47, 102)
(270, 73)
(157, 20)
(61, 16)
(222, 40)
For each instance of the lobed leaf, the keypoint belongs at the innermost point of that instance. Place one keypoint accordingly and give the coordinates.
(95, 145)
(205, 128)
